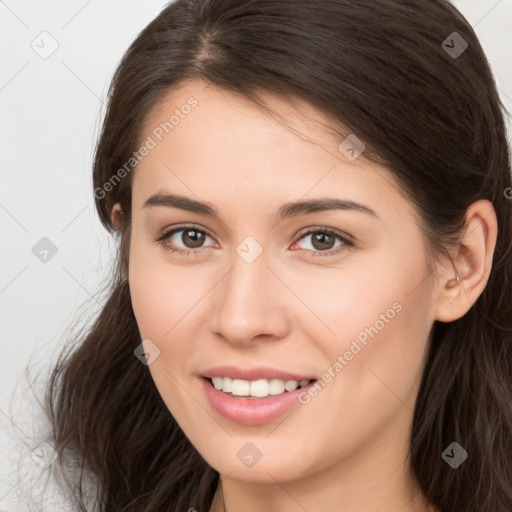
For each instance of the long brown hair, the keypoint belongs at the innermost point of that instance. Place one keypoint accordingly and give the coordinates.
(426, 108)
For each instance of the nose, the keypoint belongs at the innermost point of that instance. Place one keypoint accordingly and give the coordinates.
(251, 301)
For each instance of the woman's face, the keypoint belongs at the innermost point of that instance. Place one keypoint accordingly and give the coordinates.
(350, 304)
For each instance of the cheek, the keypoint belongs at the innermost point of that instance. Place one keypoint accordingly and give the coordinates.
(379, 356)
(338, 304)
(161, 293)
(371, 323)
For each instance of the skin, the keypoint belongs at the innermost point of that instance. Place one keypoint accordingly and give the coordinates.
(292, 308)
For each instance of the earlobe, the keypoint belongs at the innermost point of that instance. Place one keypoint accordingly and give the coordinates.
(460, 287)
(116, 215)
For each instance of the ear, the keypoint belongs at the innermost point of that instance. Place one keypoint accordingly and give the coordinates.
(460, 287)
(116, 215)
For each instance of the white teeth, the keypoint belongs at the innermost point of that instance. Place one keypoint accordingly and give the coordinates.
(257, 388)
(276, 386)
(291, 385)
(240, 387)
(227, 384)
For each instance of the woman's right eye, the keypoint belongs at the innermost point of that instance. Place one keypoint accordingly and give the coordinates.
(190, 237)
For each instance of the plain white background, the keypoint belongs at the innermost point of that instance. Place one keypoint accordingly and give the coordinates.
(51, 112)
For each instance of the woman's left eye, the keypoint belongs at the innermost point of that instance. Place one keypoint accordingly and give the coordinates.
(322, 241)
(192, 238)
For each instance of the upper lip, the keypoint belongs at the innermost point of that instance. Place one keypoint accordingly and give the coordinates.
(251, 374)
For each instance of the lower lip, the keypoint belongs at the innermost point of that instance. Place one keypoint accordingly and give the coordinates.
(252, 411)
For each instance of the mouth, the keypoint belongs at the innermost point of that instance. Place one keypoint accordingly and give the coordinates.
(236, 403)
(256, 389)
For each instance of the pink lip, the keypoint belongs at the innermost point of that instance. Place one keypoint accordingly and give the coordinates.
(253, 373)
(252, 411)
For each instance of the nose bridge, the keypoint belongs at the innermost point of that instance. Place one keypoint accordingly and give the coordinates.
(249, 304)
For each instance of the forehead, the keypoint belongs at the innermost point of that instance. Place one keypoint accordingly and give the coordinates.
(217, 145)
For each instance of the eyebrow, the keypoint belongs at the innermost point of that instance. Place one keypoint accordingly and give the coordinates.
(287, 210)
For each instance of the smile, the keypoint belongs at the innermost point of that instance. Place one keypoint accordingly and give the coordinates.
(260, 388)
(254, 410)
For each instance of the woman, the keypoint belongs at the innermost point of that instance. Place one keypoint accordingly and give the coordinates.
(311, 308)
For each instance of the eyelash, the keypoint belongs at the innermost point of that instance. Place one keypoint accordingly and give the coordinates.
(185, 252)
